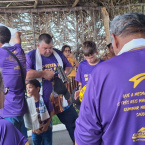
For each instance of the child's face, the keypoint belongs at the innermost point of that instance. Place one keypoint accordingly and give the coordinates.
(91, 59)
(32, 90)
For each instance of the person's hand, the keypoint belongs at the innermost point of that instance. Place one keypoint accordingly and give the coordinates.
(48, 75)
(17, 34)
(76, 94)
(44, 127)
(38, 131)
(17, 38)
(27, 143)
(72, 56)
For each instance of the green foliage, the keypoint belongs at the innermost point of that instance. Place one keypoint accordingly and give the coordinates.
(55, 120)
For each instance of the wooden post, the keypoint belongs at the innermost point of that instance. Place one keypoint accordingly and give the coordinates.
(1, 91)
(106, 24)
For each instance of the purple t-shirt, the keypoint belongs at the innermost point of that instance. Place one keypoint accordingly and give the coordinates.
(48, 63)
(113, 109)
(83, 72)
(9, 135)
(14, 104)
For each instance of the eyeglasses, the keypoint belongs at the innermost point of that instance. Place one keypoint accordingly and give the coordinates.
(67, 51)
(5, 90)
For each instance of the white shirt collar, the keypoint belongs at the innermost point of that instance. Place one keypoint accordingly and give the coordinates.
(135, 43)
(6, 45)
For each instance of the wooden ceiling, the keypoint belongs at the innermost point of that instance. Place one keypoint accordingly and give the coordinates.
(29, 4)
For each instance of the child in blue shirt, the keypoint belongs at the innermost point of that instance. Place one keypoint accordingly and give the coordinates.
(43, 135)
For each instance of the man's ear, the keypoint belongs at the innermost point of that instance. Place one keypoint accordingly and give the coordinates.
(84, 56)
(1, 44)
(38, 45)
(38, 89)
(97, 52)
(115, 43)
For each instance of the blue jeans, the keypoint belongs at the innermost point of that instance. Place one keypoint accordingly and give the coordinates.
(44, 138)
(17, 121)
(68, 118)
(24, 130)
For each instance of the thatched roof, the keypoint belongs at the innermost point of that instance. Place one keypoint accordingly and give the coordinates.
(61, 3)
(70, 22)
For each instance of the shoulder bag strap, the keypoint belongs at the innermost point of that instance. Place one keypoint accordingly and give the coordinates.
(21, 69)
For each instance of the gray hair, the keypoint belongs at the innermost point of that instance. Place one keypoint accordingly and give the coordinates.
(127, 24)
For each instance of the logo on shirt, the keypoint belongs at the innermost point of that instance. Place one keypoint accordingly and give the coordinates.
(139, 136)
(86, 76)
(15, 51)
(137, 79)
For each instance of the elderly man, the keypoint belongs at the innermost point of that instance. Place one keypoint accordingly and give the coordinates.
(112, 110)
(41, 63)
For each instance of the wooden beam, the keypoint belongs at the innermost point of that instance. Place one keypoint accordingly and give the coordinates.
(27, 8)
(51, 8)
(21, 1)
(35, 4)
(42, 9)
(75, 3)
(106, 24)
(13, 1)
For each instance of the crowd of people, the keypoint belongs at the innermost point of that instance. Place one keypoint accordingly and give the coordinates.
(111, 110)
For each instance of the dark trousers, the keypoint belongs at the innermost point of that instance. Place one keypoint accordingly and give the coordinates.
(68, 118)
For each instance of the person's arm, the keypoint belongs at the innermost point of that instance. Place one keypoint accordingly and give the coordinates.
(80, 85)
(78, 91)
(38, 131)
(88, 126)
(78, 79)
(27, 143)
(45, 126)
(75, 61)
(66, 64)
(68, 70)
(17, 39)
(33, 74)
